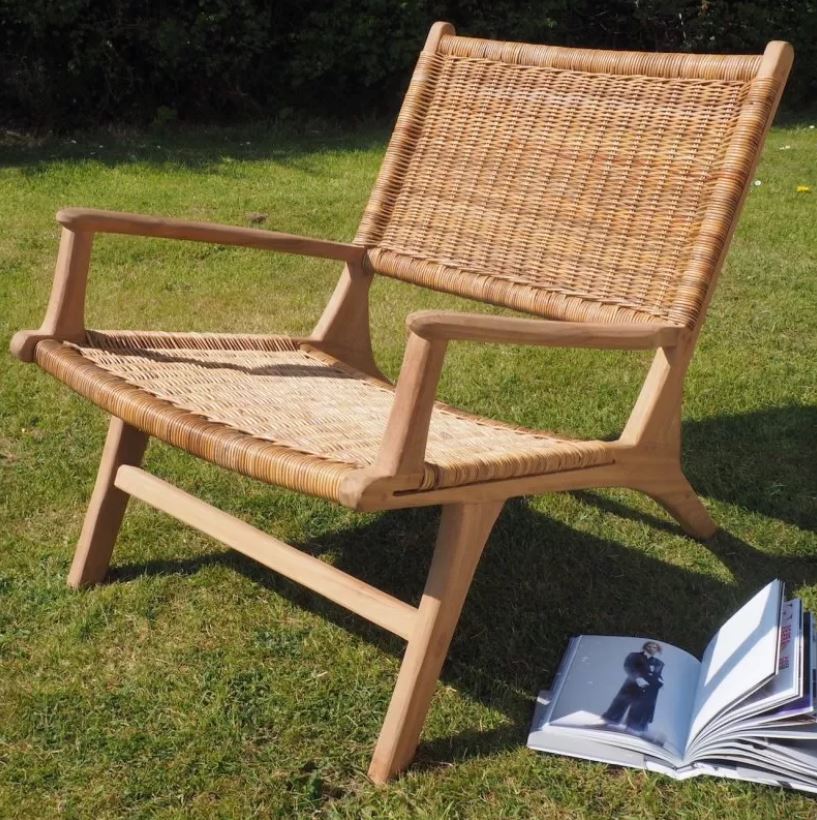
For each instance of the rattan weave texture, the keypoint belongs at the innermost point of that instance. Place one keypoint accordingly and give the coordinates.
(284, 414)
(570, 183)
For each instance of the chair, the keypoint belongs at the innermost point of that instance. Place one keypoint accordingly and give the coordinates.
(595, 190)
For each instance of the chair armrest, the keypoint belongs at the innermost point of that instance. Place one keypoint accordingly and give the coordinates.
(91, 220)
(65, 315)
(478, 327)
(402, 451)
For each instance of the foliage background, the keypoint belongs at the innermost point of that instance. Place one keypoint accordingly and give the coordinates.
(86, 62)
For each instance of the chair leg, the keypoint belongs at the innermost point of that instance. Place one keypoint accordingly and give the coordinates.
(678, 498)
(124, 445)
(464, 529)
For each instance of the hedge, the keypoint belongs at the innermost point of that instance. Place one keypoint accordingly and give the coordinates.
(85, 62)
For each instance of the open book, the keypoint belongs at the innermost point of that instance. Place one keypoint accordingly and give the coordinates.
(745, 710)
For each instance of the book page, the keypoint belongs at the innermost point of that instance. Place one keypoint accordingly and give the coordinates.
(788, 682)
(628, 688)
(744, 767)
(785, 688)
(799, 713)
(740, 657)
(805, 704)
(544, 739)
(786, 756)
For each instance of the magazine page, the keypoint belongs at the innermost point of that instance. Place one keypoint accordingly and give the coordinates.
(788, 758)
(749, 754)
(800, 752)
(748, 774)
(803, 731)
(636, 693)
(804, 727)
(744, 768)
(753, 734)
(804, 705)
(545, 738)
(741, 657)
(797, 713)
(786, 687)
(787, 683)
(547, 697)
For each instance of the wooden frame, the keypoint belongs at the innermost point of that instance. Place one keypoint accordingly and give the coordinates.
(646, 457)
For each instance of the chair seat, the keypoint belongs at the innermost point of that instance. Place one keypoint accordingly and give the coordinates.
(280, 411)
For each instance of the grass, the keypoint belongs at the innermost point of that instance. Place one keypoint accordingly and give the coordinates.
(195, 684)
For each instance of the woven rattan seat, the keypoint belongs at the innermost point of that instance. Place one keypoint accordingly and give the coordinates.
(596, 191)
(296, 417)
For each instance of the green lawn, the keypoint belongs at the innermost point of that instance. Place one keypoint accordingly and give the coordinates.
(196, 684)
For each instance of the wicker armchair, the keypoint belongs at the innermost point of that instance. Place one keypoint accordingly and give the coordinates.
(595, 190)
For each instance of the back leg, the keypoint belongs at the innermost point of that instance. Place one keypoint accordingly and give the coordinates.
(676, 496)
(124, 445)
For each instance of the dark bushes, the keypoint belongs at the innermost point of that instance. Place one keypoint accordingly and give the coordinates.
(81, 62)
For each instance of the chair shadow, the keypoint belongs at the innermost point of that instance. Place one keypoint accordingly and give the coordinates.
(540, 581)
(763, 461)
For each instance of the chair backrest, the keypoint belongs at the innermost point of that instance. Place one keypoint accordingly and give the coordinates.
(570, 183)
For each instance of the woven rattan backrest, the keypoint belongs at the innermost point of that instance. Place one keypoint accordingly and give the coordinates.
(568, 183)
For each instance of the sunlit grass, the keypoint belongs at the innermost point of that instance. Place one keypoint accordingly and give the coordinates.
(198, 685)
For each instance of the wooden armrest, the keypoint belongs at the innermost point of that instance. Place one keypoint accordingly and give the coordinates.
(402, 450)
(477, 327)
(90, 220)
(65, 315)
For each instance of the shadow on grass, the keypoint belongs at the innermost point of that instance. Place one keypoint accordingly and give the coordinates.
(763, 461)
(541, 581)
(198, 149)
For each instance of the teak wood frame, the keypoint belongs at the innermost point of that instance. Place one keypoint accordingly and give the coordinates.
(646, 457)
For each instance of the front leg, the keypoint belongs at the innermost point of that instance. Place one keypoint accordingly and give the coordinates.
(464, 529)
(124, 445)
